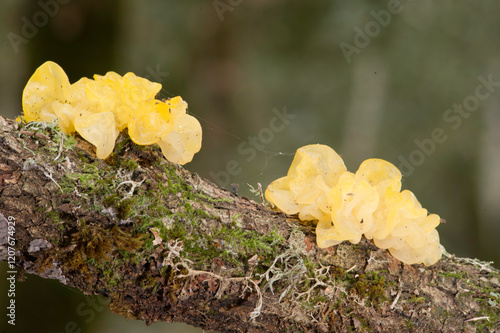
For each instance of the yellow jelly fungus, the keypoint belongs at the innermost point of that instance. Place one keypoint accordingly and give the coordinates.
(66, 113)
(380, 174)
(99, 129)
(100, 108)
(314, 170)
(183, 141)
(410, 234)
(351, 204)
(140, 89)
(48, 84)
(149, 127)
(347, 205)
(176, 106)
(384, 177)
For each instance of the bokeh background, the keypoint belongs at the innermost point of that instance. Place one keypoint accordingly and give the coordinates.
(368, 78)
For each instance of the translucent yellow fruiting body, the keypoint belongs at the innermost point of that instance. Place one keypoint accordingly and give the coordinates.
(49, 83)
(183, 141)
(347, 205)
(314, 170)
(99, 109)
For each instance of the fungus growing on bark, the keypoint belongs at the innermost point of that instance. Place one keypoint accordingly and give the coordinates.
(99, 109)
(346, 206)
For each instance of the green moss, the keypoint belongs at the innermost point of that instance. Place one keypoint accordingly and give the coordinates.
(492, 322)
(95, 187)
(244, 243)
(228, 243)
(119, 306)
(94, 244)
(486, 296)
(488, 301)
(371, 286)
(417, 300)
(232, 245)
(129, 164)
(54, 135)
(212, 200)
(54, 217)
(125, 207)
(123, 142)
(310, 267)
(456, 275)
(111, 200)
(308, 305)
(409, 324)
(111, 275)
(69, 141)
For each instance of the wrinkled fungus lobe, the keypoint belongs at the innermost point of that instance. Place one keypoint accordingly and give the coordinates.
(100, 109)
(347, 205)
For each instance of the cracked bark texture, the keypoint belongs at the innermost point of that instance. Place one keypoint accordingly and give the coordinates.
(164, 244)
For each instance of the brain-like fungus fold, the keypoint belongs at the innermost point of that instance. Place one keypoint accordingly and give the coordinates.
(348, 205)
(180, 144)
(314, 170)
(101, 108)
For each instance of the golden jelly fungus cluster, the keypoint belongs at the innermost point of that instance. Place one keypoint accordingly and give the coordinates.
(348, 205)
(100, 109)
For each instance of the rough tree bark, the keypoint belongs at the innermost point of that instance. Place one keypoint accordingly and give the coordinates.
(164, 244)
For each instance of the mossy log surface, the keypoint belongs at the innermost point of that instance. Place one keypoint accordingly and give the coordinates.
(163, 244)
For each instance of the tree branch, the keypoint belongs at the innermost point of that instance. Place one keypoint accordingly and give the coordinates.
(164, 244)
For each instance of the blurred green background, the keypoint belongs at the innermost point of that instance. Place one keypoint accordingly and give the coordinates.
(380, 79)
